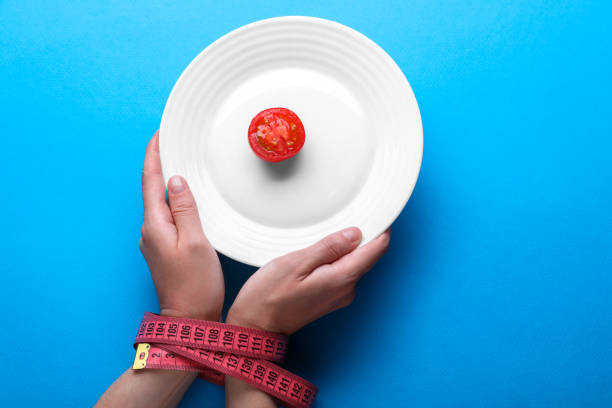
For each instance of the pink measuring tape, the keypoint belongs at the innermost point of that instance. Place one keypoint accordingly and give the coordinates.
(216, 349)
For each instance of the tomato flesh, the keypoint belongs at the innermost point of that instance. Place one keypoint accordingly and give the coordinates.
(276, 134)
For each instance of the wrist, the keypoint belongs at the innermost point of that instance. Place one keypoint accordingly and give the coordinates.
(213, 316)
(244, 321)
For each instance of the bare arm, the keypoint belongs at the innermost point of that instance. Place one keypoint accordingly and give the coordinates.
(147, 388)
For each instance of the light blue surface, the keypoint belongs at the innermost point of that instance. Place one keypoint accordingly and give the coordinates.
(497, 288)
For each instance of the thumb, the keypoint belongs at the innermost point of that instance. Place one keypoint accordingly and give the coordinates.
(183, 208)
(327, 250)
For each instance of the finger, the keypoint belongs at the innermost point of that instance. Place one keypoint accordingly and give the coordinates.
(153, 188)
(354, 265)
(327, 250)
(184, 210)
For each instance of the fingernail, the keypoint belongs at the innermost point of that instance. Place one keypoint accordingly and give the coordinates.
(352, 234)
(176, 184)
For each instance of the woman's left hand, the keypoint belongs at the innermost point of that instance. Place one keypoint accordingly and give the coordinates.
(184, 266)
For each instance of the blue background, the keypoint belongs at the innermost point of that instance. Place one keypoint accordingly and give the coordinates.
(497, 288)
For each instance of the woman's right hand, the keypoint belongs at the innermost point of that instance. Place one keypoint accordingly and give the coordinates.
(291, 291)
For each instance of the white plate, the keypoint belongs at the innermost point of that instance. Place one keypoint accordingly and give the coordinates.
(364, 139)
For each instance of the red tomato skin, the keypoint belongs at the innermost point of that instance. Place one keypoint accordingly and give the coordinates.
(276, 134)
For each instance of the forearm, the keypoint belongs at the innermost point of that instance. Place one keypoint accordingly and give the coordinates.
(147, 388)
(239, 394)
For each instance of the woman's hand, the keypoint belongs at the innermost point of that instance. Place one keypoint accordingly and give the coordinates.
(184, 267)
(295, 289)
(187, 277)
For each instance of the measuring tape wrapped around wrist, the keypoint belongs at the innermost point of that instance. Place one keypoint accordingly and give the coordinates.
(216, 349)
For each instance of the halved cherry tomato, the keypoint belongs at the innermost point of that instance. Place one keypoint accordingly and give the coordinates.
(276, 134)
